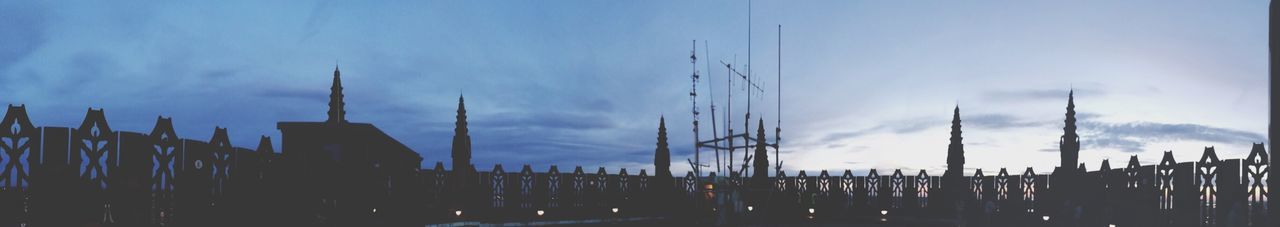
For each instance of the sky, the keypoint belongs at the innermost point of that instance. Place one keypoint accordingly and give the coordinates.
(864, 84)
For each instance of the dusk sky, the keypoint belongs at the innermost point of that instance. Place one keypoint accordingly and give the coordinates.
(865, 84)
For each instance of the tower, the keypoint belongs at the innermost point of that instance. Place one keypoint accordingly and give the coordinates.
(461, 141)
(662, 155)
(1069, 145)
(955, 151)
(761, 159)
(337, 114)
(953, 182)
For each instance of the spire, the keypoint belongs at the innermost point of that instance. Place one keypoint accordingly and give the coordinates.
(662, 155)
(336, 112)
(955, 127)
(955, 151)
(1070, 129)
(761, 158)
(461, 140)
(1069, 146)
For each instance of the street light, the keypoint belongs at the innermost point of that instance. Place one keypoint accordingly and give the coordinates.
(615, 210)
(811, 210)
(884, 212)
(1045, 218)
(540, 213)
(457, 213)
(750, 208)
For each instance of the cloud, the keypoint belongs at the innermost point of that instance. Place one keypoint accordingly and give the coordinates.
(1038, 94)
(307, 94)
(555, 121)
(897, 127)
(24, 30)
(999, 121)
(986, 121)
(1133, 136)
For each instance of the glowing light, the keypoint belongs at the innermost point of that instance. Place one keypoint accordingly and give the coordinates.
(457, 213)
(1046, 217)
(540, 212)
(811, 210)
(750, 208)
(375, 210)
(884, 212)
(615, 210)
(1111, 225)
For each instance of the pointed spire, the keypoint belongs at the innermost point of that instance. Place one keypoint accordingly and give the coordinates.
(461, 140)
(955, 151)
(1069, 145)
(337, 113)
(955, 127)
(1070, 128)
(761, 157)
(662, 155)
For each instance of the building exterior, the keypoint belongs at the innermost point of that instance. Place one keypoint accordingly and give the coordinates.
(350, 171)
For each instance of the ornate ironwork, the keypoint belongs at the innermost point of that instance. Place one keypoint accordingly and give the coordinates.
(824, 183)
(922, 189)
(18, 140)
(223, 159)
(578, 180)
(553, 187)
(1029, 190)
(846, 187)
(873, 186)
(95, 147)
(498, 184)
(1002, 185)
(526, 186)
(1164, 182)
(897, 185)
(976, 184)
(1206, 174)
(1257, 169)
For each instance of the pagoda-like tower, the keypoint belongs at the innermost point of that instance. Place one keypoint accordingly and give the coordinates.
(337, 113)
(662, 155)
(461, 141)
(1069, 145)
(955, 151)
(954, 183)
(760, 174)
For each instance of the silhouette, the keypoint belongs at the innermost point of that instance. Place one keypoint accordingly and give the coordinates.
(342, 173)
(1070, 143)
(761, 157)
(345, 170)
(1273, 131)
(463, 171)
(953, 178)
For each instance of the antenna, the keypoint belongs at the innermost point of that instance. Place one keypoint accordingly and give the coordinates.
(724, 145)
(711, 88)
(693, 96)
(777, 130)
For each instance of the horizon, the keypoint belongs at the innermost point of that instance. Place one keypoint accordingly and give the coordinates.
(546, 86)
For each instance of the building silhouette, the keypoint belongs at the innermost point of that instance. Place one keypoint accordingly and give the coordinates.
(341, 173)
(347, 170)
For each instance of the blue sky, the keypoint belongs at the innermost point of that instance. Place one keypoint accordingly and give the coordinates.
(866, 84)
